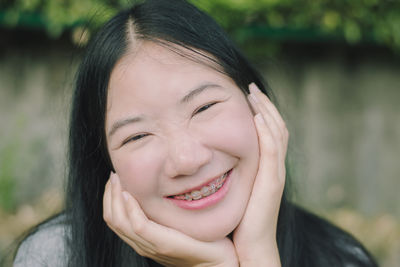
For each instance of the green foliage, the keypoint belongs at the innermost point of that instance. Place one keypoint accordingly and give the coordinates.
(350, 20)
(55, 16)
(353, 21)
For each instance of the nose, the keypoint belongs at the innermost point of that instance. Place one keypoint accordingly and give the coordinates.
(186, 155)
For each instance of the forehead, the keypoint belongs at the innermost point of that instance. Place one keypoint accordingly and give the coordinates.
(152, 70)
(148, 55)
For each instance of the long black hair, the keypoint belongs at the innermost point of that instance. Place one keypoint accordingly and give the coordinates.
(303, 239)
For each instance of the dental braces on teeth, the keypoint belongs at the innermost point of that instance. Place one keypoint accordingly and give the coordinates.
(205, 190)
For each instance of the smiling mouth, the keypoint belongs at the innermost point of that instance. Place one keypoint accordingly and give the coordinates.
(205, 191)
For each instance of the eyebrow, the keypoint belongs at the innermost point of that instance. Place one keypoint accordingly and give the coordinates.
(122, 123)
(187, 98)
(196, 91)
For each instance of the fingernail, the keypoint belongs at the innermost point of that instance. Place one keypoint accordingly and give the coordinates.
(125, 195)
(253, 88)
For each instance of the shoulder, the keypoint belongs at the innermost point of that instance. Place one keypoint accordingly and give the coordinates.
(45, 245)
(330, 245)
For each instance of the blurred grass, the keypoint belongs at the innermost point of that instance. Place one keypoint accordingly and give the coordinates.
(379, 234)
(15, 224)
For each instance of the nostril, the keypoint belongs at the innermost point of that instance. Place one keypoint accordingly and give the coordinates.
(186, 155)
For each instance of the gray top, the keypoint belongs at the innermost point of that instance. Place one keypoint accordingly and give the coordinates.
(45, 247)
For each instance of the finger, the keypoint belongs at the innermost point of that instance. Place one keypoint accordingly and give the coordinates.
(266, 115)
(120, 223)
(271, 116)
(141, 248)
(253, 103)
(146, 237)
(138, 221)
(265, 101)
(167, 245)
(160, 236)
(119, 217)
(107, 214)
(266, 104)
(148, 231)
(268, 177)
(107, 206)
(268, 185)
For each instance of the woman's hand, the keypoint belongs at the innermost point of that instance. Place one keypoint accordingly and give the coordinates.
(255, 237)
(167, 246)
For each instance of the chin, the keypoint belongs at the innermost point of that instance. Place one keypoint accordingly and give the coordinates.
(213, 229)
(214, 234)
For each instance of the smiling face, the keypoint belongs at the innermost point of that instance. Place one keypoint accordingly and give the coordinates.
(181, 138)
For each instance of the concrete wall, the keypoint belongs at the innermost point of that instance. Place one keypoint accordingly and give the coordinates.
(343, 109)
(35, 87)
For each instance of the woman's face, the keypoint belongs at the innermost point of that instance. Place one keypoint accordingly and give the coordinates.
(182, 140)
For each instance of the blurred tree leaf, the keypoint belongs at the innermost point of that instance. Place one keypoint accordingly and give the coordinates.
(352, 21)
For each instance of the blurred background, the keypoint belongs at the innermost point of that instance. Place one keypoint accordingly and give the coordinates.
(334, 67)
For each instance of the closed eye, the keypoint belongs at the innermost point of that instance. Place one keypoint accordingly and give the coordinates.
(134, 138)
(205, 107)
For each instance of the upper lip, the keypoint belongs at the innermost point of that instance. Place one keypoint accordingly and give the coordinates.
(199, 186)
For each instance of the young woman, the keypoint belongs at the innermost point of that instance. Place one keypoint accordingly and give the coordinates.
(177, 157)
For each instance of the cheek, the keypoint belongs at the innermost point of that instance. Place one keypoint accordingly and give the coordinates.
(137, 170)
(234, 129)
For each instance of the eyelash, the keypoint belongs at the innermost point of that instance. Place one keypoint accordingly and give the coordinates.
(205, 107)
(134, 138)
(140, 136)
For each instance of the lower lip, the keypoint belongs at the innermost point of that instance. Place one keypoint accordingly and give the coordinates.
(205, 202)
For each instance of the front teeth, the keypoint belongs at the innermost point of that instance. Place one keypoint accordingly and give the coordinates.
(204, 191)
(196, 195)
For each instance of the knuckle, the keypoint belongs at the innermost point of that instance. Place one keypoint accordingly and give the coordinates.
(264, 98)
(269, 147)
(151, 253)
(142, 253)
(281, 137)
(139, 227)
(272, 149)
(285, 129)
(106, 218)
(264, 130)
(282, 125)
(287, 134)
(164, 249)
(118, 225)
(277, 187)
